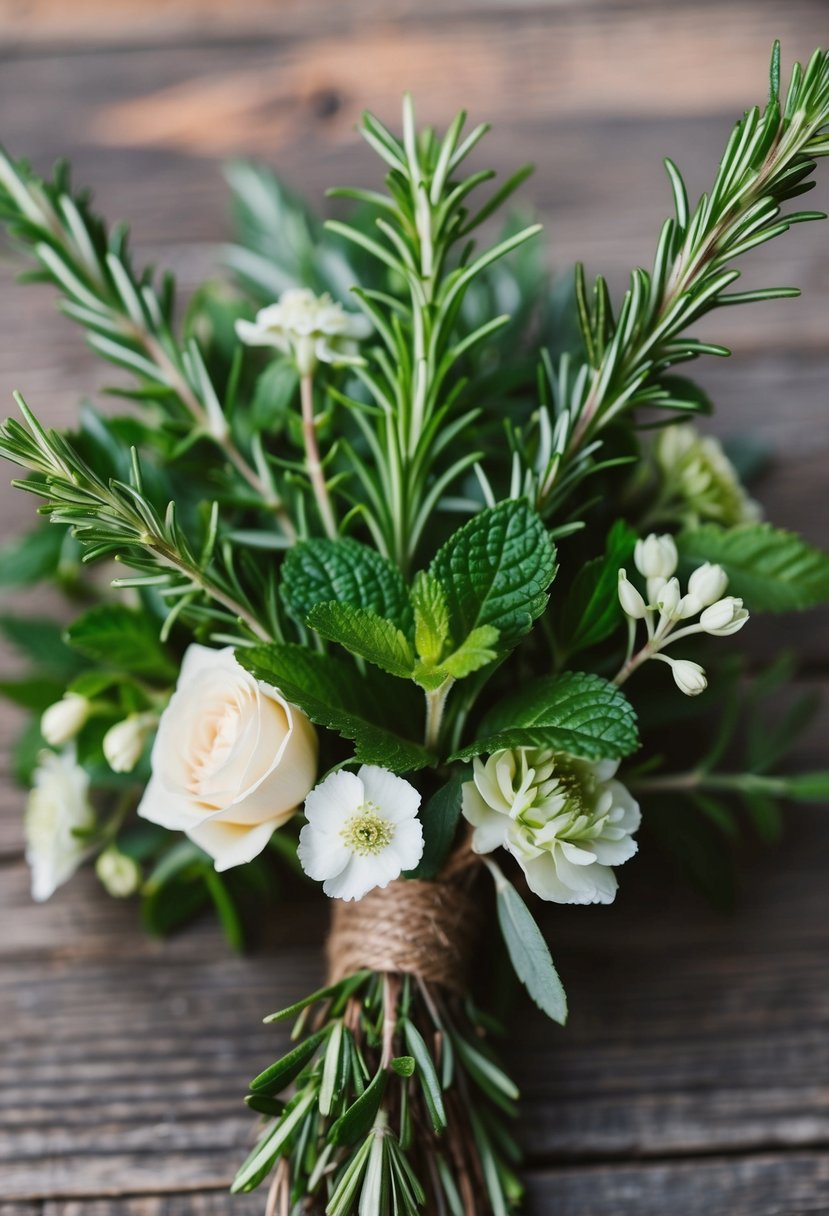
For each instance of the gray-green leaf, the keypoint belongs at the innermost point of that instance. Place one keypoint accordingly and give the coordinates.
(528, 950)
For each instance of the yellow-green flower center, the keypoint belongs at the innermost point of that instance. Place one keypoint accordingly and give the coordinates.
(367, 832)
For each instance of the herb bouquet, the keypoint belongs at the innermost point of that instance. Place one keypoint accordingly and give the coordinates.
(416, 552)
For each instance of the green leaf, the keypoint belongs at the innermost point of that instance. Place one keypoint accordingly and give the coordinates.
(439, 817)
(404, 1066)
(226, 909)
(432, 1093)
(431, 617)
(772, 570)
(282, 1072)
(577, 713)
(373, 638)
(333, 694)
(495, 570)
(270, 1145)
(41, 641)
(591, 611)
(124, 638)
(36, 693)
(357, 1120)
(528, 950)
(475, 651)
(32, 557)
(319, 571)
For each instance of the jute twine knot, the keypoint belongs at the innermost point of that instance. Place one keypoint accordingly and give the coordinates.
(427, 929)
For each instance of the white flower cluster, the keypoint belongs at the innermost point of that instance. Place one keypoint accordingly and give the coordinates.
(701, 478)
(311, 329)
(720, 615)
(566, 821)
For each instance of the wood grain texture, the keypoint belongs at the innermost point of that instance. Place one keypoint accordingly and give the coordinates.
(693, 1076)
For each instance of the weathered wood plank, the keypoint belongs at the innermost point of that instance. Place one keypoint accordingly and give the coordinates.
(792, 1184)
(690, 1031)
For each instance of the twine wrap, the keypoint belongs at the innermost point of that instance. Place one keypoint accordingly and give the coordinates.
(427, 929)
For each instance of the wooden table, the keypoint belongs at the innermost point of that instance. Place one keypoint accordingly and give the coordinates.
(694, 1077)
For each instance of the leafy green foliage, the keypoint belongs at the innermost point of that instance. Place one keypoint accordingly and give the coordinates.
(590, 612)
(439, 817)
(319, 571)
(528, 951)
(332, 694)
(577, 713)
(366, 634)
(772, 570)
(495, 571)
(32, 557)
(123, 638)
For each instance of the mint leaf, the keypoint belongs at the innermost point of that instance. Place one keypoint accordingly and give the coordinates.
(528, 951)
(373, 638)
(591, 610)
(439, 817)
(42, 641)
(476, 650)
(495, 570)
(322, 571)
(577, 713)
(431, 617)
(772, 570)
(333, 694)
(123, 638)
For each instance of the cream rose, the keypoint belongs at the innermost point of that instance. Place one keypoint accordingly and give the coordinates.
(232, 760)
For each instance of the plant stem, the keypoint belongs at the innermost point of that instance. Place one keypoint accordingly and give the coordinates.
(698, 779)
(313, 463)
(635, 661)
(435, 705)
(194, 407)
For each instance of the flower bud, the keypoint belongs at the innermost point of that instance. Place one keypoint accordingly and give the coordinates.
(707, 584)
(124, 742)
(725, 617)
(689, 677)
(62, 721)
(668, 601)
(632, 603)
(656, 556)
(120, 876)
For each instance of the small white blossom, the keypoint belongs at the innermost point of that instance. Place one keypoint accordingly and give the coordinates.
(119, 874)
(566, 821)
(124, 742)
(312, 329)
(656, 556)
(62, 721)
(690, 677)
(725, 617)
(668, 601)
(362, 831)
(707, 584)
(57, 810)
(631, 600)
(701, 479)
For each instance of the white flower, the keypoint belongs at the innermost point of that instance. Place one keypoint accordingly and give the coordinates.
(362, 831)
(668, 600)
(656, 556)
(58, 808)
(232, 760)
(313, 329)
(124, 742)
(689, 676)
(725, 617)
(120, 875)
(62, 721)
(566, 821)
(631, 600)
(698, 474)
(707, 584)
